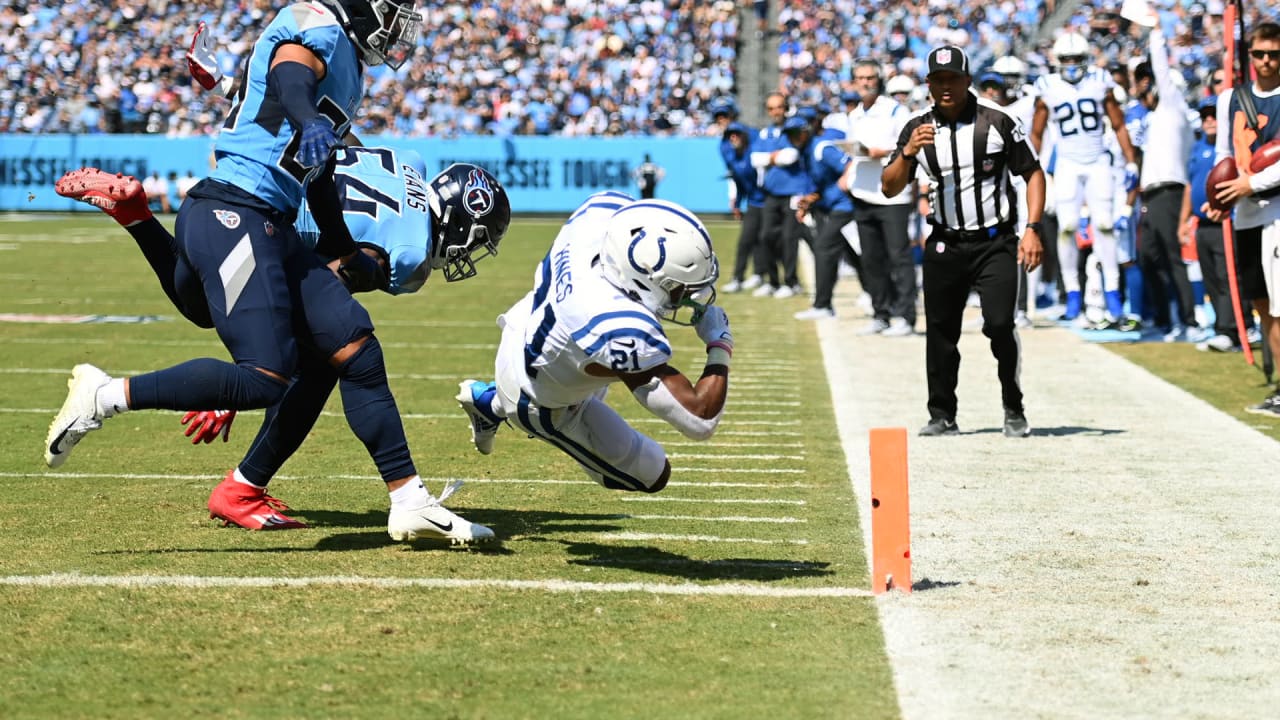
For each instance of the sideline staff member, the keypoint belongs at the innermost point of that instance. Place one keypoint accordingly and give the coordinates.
(968, 149)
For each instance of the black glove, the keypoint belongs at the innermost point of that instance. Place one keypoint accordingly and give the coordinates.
(362, 273)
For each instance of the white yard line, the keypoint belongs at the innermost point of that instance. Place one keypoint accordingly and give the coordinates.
(728, 456)
(432, 480)
(782, 520)
(712, 501)
(454, 377)
(698, 538)
(137, 582)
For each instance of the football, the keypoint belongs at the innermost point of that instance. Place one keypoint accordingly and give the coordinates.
(1265, 157)
(1224, 171)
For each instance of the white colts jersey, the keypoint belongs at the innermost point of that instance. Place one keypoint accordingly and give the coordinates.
(1077, 113)
(574, 318)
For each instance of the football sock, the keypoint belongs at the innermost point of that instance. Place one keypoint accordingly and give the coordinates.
(484, 402)
(289, 421)
(111, 398)
(371, 411)
(240, 478)
(204, 383)
(411, 495)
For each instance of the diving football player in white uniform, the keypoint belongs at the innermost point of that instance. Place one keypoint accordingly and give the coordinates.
(1078, 99)
(616, 271)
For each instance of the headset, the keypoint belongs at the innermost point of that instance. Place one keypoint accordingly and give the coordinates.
(874, 64)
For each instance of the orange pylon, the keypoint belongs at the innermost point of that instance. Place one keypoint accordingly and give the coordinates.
(890, 511)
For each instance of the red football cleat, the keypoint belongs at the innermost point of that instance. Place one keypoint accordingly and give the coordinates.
(120, 196)
(249, 507)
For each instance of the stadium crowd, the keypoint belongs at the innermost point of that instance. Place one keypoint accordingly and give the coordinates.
(538, 68)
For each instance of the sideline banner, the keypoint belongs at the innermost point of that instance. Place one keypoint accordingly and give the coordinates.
(542, 174)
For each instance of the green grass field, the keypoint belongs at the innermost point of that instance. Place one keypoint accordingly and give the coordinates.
(739, 591)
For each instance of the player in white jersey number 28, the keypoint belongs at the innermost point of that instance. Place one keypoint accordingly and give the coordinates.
(1079, 99)
(617, 269)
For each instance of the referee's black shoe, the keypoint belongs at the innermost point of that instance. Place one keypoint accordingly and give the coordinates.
(1015, 424)
(939, 426)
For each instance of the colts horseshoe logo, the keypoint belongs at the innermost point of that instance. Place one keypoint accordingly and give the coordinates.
(662, 251)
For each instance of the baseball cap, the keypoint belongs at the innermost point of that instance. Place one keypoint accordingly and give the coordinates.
(990, 78)
(849, 96)
(948, 58)
(795, 122)
(1208, 105)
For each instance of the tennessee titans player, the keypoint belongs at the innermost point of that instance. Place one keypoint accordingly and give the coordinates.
(616, 269)
(235, 233)
(407, 224)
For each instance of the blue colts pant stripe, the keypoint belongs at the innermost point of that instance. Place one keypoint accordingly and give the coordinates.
(542, 426)
(533, 350)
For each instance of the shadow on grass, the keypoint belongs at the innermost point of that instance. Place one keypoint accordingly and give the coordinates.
(661, 562)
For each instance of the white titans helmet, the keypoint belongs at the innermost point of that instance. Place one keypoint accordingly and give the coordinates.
(660, 255)
(1071, 53)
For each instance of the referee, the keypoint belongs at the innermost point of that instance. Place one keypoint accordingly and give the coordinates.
(968, 150)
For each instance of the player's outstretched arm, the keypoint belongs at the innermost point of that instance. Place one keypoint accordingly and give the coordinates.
(692, 408)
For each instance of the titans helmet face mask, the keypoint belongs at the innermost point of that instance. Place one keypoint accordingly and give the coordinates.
(384, 31)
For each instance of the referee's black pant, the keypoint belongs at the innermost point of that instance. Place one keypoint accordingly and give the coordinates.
(951, 269)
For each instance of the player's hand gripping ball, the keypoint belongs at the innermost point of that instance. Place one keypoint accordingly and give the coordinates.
(1224, 171)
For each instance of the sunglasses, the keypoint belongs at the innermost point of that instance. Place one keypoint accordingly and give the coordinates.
(1272, 55)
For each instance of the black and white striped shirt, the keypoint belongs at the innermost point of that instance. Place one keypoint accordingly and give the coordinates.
(970, 165)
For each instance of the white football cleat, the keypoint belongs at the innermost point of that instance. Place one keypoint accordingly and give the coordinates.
(434, 520)
(79, 414)
(483, 429)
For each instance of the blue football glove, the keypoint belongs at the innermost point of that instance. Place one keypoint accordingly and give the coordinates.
(1130, 176)
(1122, 225)
(362, 272)
(318, 141)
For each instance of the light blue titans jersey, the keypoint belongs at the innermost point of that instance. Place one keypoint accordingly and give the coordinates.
(257, 148)
(384, 203)
(574, 318)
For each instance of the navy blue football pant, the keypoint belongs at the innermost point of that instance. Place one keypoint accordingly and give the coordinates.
(275, 306)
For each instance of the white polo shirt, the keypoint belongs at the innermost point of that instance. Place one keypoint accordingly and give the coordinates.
(876, 127)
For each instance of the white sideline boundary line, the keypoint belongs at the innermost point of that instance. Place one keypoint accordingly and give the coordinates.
(136, 582)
